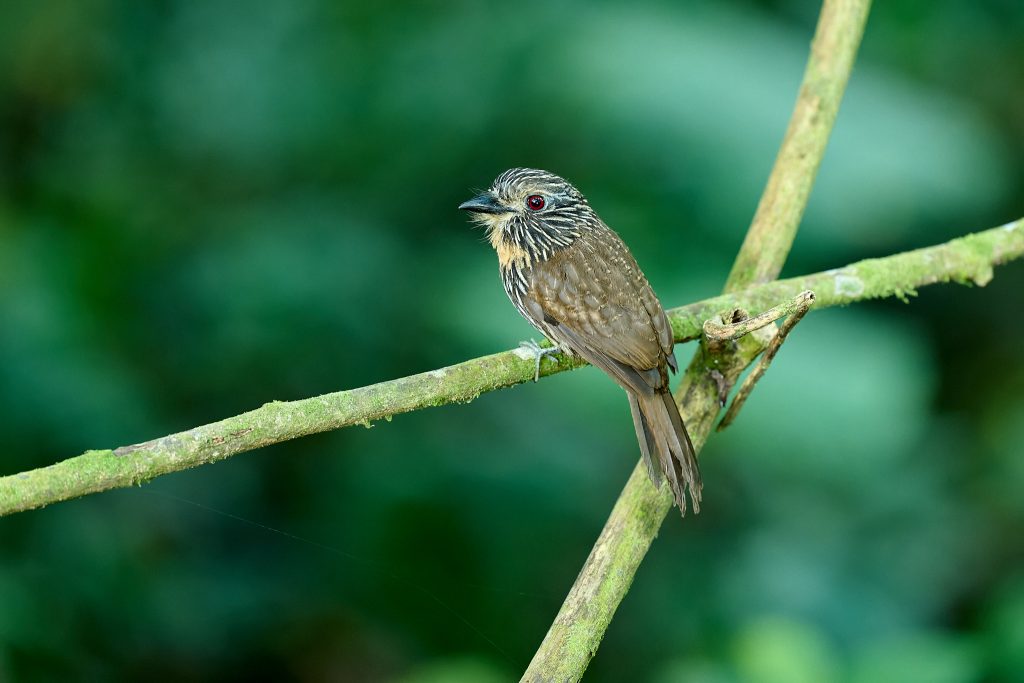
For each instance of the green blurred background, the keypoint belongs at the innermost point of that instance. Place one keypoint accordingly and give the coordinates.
(207, 206)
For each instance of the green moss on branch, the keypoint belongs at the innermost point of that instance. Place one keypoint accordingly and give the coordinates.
(965, 260)
(968, 259)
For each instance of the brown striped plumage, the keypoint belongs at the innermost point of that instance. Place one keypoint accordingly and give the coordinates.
(575, 280)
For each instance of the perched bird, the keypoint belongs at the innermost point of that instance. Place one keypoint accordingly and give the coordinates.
(575, 280)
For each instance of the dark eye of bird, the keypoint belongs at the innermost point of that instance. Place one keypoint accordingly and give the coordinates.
(535, 202)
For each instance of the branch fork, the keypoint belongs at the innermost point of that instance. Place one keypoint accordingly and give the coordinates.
(794, 311)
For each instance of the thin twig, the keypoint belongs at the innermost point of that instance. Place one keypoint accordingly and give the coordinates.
(765, 360)
(716, 331)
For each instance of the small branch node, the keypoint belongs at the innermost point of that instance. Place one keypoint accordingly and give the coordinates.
(799, 306)
(742, 324)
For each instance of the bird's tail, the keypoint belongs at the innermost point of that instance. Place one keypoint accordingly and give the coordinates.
(662, 435)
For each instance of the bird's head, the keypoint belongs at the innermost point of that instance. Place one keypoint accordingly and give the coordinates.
(530, 214)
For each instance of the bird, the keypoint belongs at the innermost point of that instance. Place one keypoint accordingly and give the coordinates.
(575, 280)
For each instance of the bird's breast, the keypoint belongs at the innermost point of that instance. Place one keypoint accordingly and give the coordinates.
(516, 280)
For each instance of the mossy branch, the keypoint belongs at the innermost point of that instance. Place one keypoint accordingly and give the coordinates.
(608, 572)
(573, 638)
(833, 52)
(967, 260)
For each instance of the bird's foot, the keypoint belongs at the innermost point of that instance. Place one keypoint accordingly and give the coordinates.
(539, 352)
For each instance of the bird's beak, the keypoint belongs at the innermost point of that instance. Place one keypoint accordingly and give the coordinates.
(484, 203)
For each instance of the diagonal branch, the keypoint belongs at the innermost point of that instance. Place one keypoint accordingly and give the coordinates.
(579, 627)
(967, 260)
(833, 51)
(573, 638)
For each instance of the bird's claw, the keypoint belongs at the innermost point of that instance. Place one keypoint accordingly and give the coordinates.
(539, 352)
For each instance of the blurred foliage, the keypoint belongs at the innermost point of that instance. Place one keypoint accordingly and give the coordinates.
(205, 207)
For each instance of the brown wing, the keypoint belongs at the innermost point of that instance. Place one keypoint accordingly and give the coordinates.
(598, 302)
